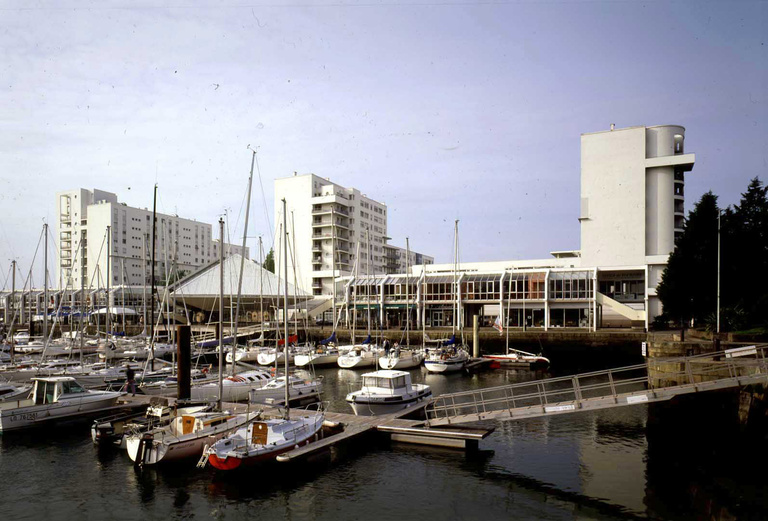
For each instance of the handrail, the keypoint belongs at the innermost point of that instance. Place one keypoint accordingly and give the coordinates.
(545, 394)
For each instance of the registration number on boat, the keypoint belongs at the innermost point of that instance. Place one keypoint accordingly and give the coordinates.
(30, 416)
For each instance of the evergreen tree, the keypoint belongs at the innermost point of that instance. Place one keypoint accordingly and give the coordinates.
(748, 254)
(688, 287)
(269, 261)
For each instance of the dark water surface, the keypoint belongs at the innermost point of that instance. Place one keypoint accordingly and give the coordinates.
(687, 460)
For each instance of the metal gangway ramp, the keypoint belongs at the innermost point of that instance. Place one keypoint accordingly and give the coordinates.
(657, 380)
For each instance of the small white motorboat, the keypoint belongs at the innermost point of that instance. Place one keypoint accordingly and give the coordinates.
(53, 398)
(387, 391)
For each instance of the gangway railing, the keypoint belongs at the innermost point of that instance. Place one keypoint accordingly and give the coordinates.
(656, 380)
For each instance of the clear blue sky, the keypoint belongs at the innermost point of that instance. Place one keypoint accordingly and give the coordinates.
(442, 110)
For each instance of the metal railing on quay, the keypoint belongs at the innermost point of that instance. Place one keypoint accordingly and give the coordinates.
(610, 383)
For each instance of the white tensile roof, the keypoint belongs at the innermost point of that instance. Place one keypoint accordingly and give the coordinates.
(256, 281)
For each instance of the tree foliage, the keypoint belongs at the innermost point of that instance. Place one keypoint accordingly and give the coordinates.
(688, 288)
(269, 261)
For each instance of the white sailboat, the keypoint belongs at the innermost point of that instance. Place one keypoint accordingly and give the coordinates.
(451, 356)
(263, 440)
(404, 357)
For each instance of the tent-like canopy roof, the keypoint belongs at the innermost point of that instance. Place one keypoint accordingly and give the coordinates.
(256, 282)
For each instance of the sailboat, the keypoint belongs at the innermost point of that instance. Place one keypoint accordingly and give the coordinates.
(264, 439)
(451, 355)
(188, 434)
(515, 357)
(404, 357)
(366, 353)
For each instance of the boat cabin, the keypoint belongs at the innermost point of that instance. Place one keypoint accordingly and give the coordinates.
(50, 390)
(387, 382)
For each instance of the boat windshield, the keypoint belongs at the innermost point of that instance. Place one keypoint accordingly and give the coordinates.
(73, 387)
(386, 383)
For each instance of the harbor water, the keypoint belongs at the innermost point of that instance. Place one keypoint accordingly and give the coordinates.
(685, 460)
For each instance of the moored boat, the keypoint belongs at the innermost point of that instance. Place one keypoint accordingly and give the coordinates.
(263, 440)
(54, 398)
(387, 391)
(184, 437)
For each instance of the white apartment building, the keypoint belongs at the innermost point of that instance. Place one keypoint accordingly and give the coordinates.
(328, 221)
(83, 219)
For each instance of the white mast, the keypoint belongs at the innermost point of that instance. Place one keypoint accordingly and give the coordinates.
(285, 308)
(221, 310)
(242, 265)
(407, 295)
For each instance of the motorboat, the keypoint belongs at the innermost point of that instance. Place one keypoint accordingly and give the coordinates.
(274, 390)
(10, 391)
(264, 439)
(185, 436)
(517, 358)
(234, 388)
(387, 391)
(54, 398)
(402, 358)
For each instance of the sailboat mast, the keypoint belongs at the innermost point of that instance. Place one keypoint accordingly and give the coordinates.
(261, 287)
(13, 306)
(144, 283)
(285, 306)
(333, 259)
(109, 261)
(152, 276)
(455, 267)
(368, 278)
(45, 286)
(357, 291)
(221, 310)
(242, 266)
(407, 295)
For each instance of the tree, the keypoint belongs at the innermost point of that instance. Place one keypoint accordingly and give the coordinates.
(748, 253)
(688, 287)
(269, 262)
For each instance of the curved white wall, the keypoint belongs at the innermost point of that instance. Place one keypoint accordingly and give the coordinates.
(660, 190)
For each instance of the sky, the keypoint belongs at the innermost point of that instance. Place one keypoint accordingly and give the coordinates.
(442, 110)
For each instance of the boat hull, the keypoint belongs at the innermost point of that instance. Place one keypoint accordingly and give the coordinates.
(24, 417)
(369, 406)
(445, 366)
(401, 362)
(316, 359)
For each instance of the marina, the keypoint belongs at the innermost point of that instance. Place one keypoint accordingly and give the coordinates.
(538, 457)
